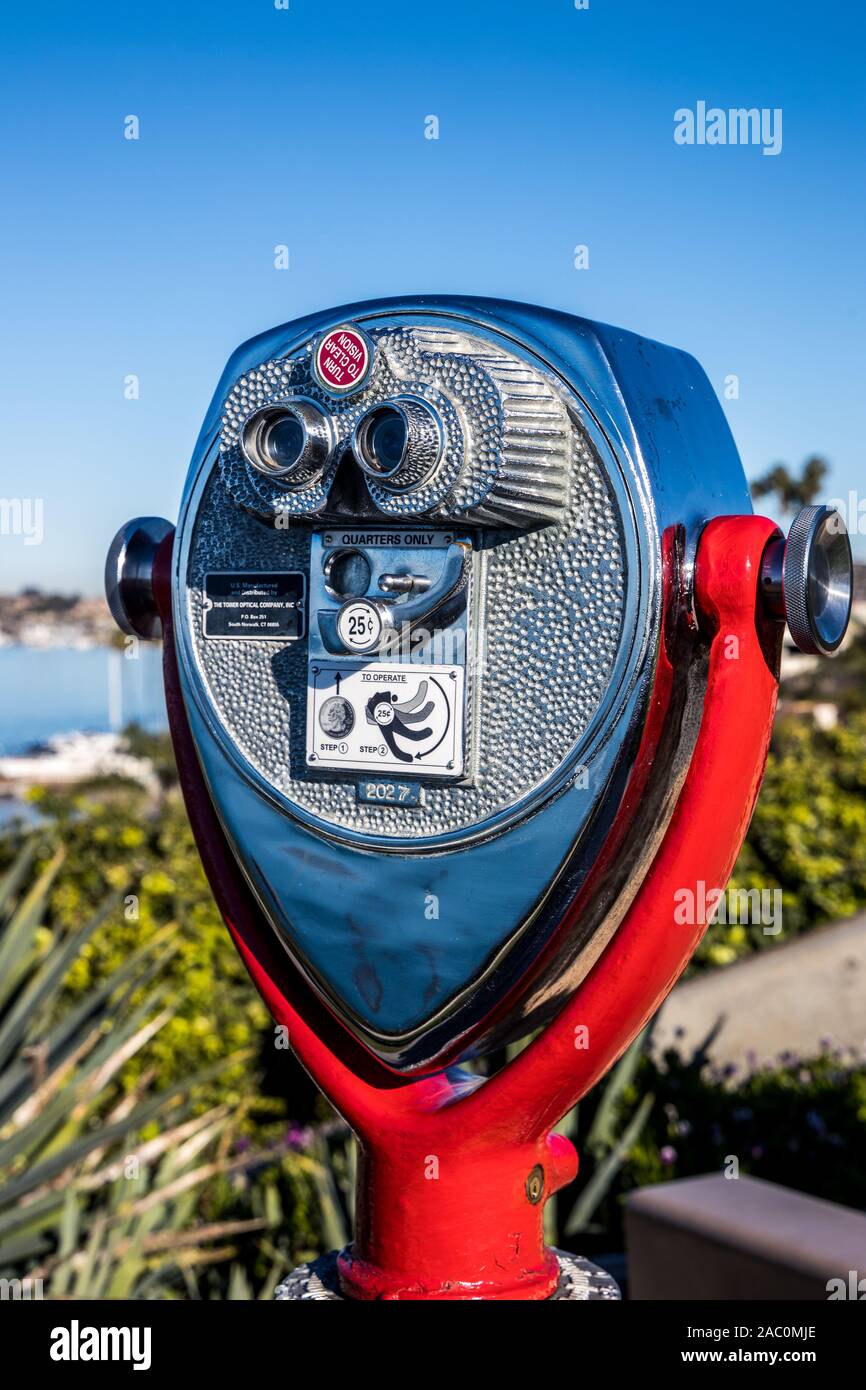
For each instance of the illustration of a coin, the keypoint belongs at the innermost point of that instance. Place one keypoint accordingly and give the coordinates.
(337, 717)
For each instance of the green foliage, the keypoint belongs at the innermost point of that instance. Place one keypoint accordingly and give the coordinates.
(807, 837)
(129, 1030)
(129, 1168)
(116, 841)
(61, 1111)
(800, 1122)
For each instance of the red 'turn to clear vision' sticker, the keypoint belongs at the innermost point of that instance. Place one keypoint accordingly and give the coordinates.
(342, 359)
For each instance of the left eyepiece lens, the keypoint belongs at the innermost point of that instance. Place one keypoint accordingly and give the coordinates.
(283, 442)
(290, 444)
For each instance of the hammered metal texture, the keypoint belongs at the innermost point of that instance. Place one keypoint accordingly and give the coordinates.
(507, 430)
(552, 621)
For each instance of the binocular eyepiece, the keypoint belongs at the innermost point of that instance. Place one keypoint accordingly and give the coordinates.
(434, 424)
(290, 444)
(399, 444)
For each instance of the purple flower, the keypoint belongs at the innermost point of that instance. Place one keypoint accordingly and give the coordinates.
(684, 1128)
(297, 1138)
(668, 1155)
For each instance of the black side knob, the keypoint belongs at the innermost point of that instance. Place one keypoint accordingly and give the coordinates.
(129, 576)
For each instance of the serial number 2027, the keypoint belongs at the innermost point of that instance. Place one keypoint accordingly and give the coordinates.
(388, 791)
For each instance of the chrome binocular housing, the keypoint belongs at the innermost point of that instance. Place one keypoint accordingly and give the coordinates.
(433, 559)
(436, 423)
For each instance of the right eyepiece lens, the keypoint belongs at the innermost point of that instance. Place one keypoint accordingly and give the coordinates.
(386, 437)
(399, 443)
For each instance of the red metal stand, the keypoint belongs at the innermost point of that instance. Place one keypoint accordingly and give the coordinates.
(451, 1187)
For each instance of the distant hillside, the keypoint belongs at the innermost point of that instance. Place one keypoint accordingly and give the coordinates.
(35, 618)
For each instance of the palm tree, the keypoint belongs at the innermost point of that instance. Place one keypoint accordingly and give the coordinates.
(791, 490)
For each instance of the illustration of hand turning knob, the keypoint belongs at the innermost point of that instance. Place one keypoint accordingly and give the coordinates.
(396, 720)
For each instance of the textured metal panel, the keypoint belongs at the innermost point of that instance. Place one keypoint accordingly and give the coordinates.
(506, 460)
(552, 622)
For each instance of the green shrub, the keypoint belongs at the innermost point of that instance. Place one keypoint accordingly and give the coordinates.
(800, 1122)
(807, 837)
(116, 841)
(275, 1191)
(119, 1177)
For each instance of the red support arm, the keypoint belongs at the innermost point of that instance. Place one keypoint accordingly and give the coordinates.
(650, 950)
(448, 1201)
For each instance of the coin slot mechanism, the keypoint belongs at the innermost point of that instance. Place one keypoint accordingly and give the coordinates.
(347, 573)
(385, 695)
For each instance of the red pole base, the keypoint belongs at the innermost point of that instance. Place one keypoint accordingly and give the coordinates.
(443, 1219)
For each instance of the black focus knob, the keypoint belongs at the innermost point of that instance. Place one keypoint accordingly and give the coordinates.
(129, 576)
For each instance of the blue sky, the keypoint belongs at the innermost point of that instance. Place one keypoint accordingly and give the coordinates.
(261, 126)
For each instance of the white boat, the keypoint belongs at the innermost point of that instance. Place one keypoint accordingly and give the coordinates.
(66, 759)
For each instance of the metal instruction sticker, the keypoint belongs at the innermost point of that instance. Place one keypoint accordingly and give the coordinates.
(388, 717)
(342, 360)
(264, 607)
(395, 539)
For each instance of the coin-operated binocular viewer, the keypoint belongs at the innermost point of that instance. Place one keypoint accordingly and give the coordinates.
(471, 656)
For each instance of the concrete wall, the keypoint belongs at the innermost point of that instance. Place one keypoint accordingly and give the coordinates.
(718, 1238)
(789, 997)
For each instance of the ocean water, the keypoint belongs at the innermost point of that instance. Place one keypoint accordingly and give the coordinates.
(45, 691)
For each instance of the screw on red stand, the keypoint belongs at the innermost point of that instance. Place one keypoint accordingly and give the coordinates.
(471, 655)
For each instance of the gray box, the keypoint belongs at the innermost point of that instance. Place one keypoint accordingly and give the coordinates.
(740, 1238)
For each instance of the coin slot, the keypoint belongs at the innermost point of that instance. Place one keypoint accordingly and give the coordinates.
(347, 574)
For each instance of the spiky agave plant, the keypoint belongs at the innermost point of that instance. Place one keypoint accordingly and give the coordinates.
(86, 1206)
